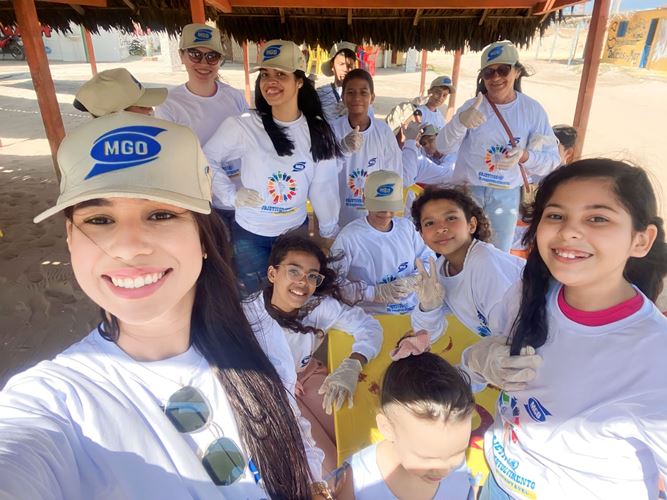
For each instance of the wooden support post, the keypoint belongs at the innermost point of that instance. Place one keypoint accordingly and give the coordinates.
(90, 51)
(456, 69)
(589, 74)
(31, 34)
(198, 11)
(246, 70)
(422, 82)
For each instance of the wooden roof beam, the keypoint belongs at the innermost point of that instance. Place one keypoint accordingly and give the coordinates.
(86, 3)
(281, 11)
(483, 18)
(548, 6)
(387, 4)
(349, 17)
(417, 15)
(221, 5)
(131, 6)
(79, 10)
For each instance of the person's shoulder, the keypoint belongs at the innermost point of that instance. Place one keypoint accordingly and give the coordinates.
(529, 102)
(226, 88)
(357, 227)
(404, 225)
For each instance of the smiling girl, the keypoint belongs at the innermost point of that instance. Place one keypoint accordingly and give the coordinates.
(288, 156)
(593, 421)
(174, 395)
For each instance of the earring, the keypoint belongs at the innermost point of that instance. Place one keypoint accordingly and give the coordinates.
(205, 256)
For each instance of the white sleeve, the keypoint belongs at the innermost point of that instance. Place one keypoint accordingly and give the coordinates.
(543, 161)
(365, 329)
(647, 420)
(393, 155)
(434, 322)
(353, 291)
(163, 112)
(451, 136)
(324, 197)
(409, 158)
(272, 341)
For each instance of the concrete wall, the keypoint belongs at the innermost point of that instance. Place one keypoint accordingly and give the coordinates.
(109, 46)
(627, 50)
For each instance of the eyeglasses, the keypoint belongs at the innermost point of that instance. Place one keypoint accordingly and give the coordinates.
(502, 70)
(189, 411)
(295, 273)
(196, 56)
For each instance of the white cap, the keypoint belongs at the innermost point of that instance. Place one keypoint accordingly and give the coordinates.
(443, 81)
(383, 192)
(327, 66)
(115, 90)
(201, 35)
(130, 155)
(503, 52)
(283, 55)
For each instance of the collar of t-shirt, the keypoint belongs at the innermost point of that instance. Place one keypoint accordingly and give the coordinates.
(377, 231)
(602, 317)
(218, 86)
(298, 121)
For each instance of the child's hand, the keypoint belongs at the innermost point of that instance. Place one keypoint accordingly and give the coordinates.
(340, 385)
(430, 292)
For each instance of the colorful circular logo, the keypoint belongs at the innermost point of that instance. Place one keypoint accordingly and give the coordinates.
(493, 154)
(356, 182)
(281, 187)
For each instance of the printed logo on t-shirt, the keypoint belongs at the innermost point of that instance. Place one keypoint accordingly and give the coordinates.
(483, 327)
(305, 360)
(402, 266)
(298, 167)
(509, 411)
(356, 182)
(372, 162)
(282, 189)
(506, 467)
(536, 410)
(231, 170)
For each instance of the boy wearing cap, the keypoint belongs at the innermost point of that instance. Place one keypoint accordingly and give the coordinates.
(440, 88)
(429, 165)
(378, 252)
(116, 90)
(342, 60)
(204, 102)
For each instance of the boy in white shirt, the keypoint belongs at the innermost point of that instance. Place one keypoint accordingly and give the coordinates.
(342, 60)
(440, 88)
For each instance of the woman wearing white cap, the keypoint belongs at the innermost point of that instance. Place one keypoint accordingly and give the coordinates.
(491, 162)
(288, 155)
(204, 102)
(440, 88)
(174, 395)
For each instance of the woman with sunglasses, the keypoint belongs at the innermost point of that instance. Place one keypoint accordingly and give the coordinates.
(487, 160)
(303, 296)
(204, 102)
(179, 392)
(288, 156)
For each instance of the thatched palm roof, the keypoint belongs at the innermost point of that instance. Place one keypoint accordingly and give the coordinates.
(435, 28)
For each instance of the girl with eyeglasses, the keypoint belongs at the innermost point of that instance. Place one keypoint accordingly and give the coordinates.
(304, 297)
(179, 393)
(204, 102)
(488, 161)
(288, 156)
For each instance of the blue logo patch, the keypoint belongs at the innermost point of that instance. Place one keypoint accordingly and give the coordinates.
(124, 147)
(493, 53)
(271, 51)
(203, 35)
(372, 162)
(403, 266)
(298, 167)
(384, 190)
(536, 411)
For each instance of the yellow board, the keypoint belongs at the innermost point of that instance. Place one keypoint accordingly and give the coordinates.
(355, 427)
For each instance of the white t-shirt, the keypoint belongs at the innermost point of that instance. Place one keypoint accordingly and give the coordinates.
(285, 182)
(370, 485)
(476, 295)
(593, 423)
(204, 115)
(419, 168)
(435, 118)
(372, 257)
(379, 151)
(480, 148)
(329, 314)
(89, 424)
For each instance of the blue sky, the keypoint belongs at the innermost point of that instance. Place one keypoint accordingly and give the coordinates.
(634, 5)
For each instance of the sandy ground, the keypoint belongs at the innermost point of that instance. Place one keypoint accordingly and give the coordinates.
(42, 309)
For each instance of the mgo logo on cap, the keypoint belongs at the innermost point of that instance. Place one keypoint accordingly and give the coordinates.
(203, 35)
(384, 190)
(495, 52)
(271, 51)
(124, 147)
(536, 410)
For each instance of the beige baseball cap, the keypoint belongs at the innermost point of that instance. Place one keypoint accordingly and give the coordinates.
(503, 52)
(383, 192)
(283, 55)
(429, 130)
(443, 81)
(327, 66)
(129, 155)
(201, 35)
(115, 90)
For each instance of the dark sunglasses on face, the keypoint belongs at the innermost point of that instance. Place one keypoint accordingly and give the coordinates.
(502, 70)
(196, 56)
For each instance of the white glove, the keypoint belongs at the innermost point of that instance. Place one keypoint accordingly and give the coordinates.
(340, 109)
(419, 100)
(248, 198)
(430, 292)
(394, 291)
(473, 117)
(353, 141)
(413, 130)
(490, 358)
(510, 159)
(340, 385)
(538, 142)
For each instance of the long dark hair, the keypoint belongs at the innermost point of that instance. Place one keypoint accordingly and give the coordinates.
(462, 199)
(223, 335)
(323, 143)
(633, 190)
(330, 287)
(429, 387)
(523, 71)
